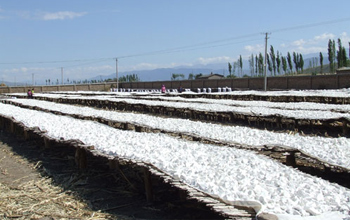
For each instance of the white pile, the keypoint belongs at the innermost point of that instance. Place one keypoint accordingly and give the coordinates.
(266, 104)
(321, 93)
(229, 173)
(333, 150)
(260, 110)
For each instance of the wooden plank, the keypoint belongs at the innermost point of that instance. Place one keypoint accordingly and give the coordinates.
(81, 158)
(148, 185)
(208, 200)
(47, 142)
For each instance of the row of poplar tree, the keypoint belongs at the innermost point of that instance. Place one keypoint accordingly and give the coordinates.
(277, 64)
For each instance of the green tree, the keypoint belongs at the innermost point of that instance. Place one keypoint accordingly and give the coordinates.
(129, 78)
(345, 58)
(321, 62)
(229, 68)
(273, 59)
(301, 63)
(330, 55)
(198, 75)
(334, 55)
(278, 62)
(290, 64)
(284, 65)
(251, 64)
(256, 65)
(261, 64)
(191, 76)
(241, 64)
(176, 76)
(340, 54)
(269, 65)
(295, 61)
(235, 67)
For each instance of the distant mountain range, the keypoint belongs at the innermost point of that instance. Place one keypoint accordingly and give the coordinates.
(163, 74)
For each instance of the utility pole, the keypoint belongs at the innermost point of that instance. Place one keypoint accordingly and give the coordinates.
(265, 77)
(32, 79)
(116, 70)
(62, 75)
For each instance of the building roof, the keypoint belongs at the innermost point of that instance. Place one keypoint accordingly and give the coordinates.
(343, 70)
(211, 76)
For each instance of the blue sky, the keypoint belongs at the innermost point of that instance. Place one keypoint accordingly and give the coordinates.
(38, 37)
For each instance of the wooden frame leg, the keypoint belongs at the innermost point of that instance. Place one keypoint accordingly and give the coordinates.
(148, 185)
(80, 158)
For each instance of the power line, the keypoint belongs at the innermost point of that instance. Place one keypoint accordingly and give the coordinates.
(172, 50)
(182, 49)
(311, 25)
(92, 61)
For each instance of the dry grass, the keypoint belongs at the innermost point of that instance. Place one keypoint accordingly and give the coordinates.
(40, 199)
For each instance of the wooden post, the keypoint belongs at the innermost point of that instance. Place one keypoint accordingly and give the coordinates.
(127, 126)
(290, 159)
(138, 128)
(80, 158)
(345, 127)
(12, 127)
(182, 195)
(279, 122)
(148, 185)
(26, 134)
(47, 142)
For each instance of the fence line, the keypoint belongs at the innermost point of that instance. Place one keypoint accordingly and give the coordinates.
(273, 83)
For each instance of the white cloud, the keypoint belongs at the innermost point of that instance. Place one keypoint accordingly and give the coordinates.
(318, 43)
(61, 15)
(210, 60)
(299, 43)
(47, 16)
(283, 45)
(308, 50)
(150, 66)
(254, 48)
(99, 68)
(324, 37)
(145, 66)
(24, 69)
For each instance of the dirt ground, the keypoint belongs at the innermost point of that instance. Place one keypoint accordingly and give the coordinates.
(38, 183)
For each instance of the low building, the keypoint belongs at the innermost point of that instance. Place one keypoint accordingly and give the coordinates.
(212, 76)
(343, 71)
